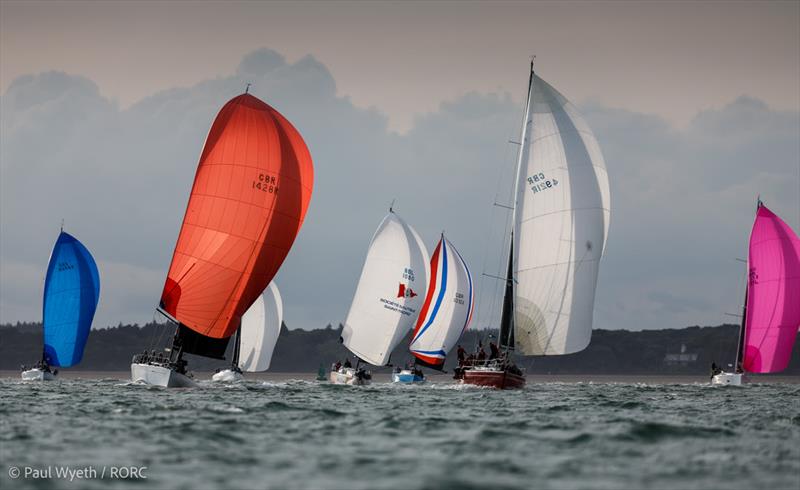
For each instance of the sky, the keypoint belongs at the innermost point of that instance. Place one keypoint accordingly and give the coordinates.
(105, 107)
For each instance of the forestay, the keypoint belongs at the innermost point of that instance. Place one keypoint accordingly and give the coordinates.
(447, 309)
(560, 225)
(390, 291)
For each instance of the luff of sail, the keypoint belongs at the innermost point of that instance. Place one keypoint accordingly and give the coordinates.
(249, 198)
(71, 294)
(390, 291)
(447, 309)
(261, 325)
(772, 318)
(562, 213)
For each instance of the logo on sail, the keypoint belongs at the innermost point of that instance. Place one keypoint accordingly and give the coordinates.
(404, 291)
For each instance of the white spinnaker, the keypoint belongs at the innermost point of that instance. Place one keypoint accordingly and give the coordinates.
(389, 293)
(449, 310)
(261, 324)
(561, 225)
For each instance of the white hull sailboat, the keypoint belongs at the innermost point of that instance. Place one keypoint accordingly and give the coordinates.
(386, 303)
(153, 374)
(71, 294)
(37, 374)
(733, 379)
(771, 310)
(255, 339)
(350, 376)
(228, 375)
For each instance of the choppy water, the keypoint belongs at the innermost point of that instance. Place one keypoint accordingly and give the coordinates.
(301, 434)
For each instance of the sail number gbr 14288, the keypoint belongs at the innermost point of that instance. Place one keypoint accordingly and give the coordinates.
(538, 182)
(266, 183)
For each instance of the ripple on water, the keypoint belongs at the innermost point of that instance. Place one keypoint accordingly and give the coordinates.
(296, 434)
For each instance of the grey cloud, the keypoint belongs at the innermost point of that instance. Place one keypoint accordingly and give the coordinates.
(682, 199)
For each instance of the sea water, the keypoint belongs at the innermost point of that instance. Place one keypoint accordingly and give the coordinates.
(108, 433)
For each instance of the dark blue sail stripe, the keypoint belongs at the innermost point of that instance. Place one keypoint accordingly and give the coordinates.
(440, 297)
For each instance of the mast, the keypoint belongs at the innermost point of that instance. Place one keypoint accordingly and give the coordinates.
(740, 344)
(237, 344)
(507, 315)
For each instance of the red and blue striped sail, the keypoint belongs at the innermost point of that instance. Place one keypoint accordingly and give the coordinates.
(447, 309)
(71, 293)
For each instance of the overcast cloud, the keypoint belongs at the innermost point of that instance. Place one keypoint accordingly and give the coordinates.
(683, 199)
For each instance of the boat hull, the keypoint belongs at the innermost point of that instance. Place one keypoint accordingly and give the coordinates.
(227, 376)
(407, 377)
(347, 376)
(494, 378)
(722, 379)
(37, 375)
(156, 375)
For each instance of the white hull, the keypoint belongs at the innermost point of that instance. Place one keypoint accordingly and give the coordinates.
(160, 376)
(227, 376)
(734, 379)
(37, 375)
(347, 376)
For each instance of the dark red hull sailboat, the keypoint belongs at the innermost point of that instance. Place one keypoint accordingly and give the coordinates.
(494, 376)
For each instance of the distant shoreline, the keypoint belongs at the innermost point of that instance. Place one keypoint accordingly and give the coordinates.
(384, 377)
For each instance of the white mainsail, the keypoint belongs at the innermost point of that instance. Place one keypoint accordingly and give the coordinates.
(561, 218)
(390, 291)
(447, 309)
(261, 324)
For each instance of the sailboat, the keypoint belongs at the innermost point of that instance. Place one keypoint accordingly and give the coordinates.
(256, 337)
(771, 311)
(387, 300)
(445, 314)
(249, 199)
(71, 293)
(560, 217)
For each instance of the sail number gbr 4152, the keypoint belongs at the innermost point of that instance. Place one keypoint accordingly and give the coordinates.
(538, 182)
(266, 183)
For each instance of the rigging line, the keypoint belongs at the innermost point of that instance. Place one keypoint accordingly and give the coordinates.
(483, 296)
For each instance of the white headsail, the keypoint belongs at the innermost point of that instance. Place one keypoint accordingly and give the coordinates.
(561, 222)
(261, 324)
(447, 309)
(390, 291)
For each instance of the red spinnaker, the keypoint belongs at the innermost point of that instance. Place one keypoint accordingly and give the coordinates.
(250, 196)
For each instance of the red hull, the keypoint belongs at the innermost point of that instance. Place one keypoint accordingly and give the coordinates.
(503, 380)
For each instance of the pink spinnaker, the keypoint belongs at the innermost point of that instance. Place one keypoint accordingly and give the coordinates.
(773, 294)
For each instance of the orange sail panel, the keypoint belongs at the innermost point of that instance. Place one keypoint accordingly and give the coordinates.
(250, 196)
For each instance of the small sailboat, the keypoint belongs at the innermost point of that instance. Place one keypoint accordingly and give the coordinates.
(444, 315)
(249, 199)
(560, 217)
(388, 298)
(771, 310)
(256, 337)
(71, 294)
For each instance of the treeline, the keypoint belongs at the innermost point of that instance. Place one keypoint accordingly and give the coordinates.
(610, 352)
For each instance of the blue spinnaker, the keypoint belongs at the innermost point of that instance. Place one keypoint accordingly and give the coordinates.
(71, 292)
